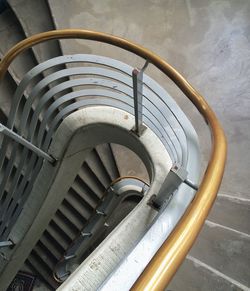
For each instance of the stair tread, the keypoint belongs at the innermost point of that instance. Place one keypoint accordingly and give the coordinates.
(91, 180)
(45, 255)
(79, 204)
(11, 31)
(49, 236)
(105, 153)
(193, 276)
(231, 212)
(43, 272)
(67, 209)
(86, 194)
(52, 229)
(49, 244)
(69, 231)
(94, 162)
(7, 89)
(225, 250)
(34, 17)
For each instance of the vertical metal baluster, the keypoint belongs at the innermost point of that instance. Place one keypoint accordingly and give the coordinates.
(137, 76)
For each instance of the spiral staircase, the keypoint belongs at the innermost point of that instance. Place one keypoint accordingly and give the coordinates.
(98, 165)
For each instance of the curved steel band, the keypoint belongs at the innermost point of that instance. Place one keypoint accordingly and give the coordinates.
(161, 114)
(168, 258)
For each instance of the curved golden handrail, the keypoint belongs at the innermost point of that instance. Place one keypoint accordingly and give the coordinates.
(168, 258)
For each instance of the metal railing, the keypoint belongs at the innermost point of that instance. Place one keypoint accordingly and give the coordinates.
(169, 257)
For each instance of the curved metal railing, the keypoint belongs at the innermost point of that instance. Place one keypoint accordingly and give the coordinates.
(117, 87)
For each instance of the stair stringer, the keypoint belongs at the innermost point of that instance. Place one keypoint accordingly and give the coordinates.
(109, 254)
(77, 135)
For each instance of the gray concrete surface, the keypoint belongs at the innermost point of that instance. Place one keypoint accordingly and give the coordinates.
(231, 212)
(35, 24)
(199, 276)
(225, 251)
(11, 33)
(207, 41)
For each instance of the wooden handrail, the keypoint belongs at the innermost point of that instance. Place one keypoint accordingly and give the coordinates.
(173, 251)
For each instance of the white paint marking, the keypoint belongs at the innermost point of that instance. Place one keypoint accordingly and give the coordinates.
(218, 273)
(231, 197)
(213, 224)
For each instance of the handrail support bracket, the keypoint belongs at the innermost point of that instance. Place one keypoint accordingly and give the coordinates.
(176, 176)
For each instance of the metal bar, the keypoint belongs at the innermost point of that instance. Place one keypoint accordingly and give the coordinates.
(191, 184)
(137, 76)
(137, 89)
(174, 250)
(8, 132)
(6, 243)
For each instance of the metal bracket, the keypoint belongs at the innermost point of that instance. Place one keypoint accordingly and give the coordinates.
(174, 179)
(7, 243)
(10, 133)
(137, 76)
(191, 184)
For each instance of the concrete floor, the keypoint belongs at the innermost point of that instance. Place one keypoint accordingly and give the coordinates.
(208, 41)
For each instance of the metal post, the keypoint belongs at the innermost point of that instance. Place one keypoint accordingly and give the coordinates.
(8, 132)
(137, 76)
